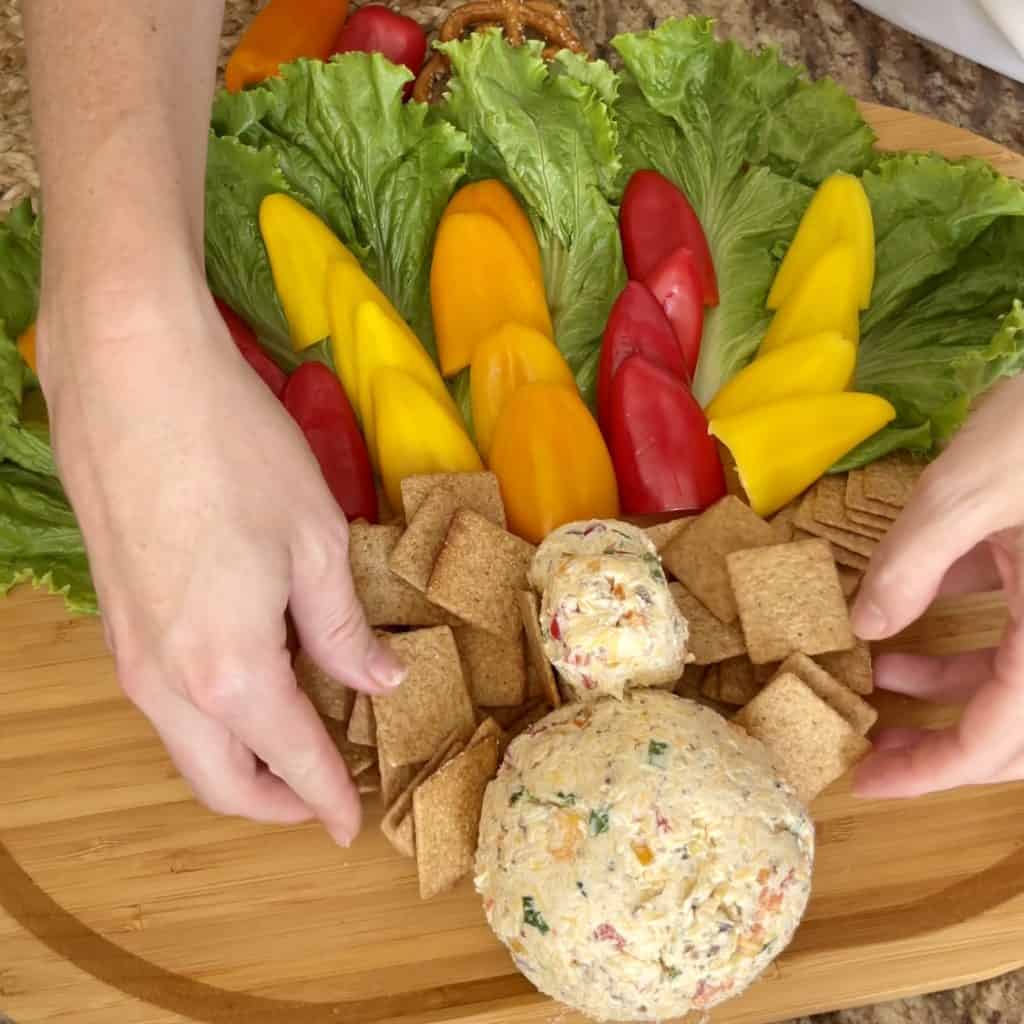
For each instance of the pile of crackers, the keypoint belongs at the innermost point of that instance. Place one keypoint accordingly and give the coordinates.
(446, 586)
(767, 604)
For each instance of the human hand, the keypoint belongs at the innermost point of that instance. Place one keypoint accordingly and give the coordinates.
(962, 532)
(205, 517)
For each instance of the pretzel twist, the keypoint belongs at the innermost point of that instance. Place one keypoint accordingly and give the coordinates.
(514, 17)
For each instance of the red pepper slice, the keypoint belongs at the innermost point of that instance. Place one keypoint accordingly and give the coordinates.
(637, 325)
(657, 218)
(676, 285)
(272, 374)
(665, 460)
(317, 402)
(376, 29)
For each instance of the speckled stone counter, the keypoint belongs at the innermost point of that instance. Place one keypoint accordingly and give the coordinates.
(871, 59)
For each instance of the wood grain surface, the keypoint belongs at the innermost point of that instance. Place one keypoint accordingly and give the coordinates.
(124, 902)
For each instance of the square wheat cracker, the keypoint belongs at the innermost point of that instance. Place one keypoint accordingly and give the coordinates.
(544, 674)
(855, 542)
(852, 668)
(362, 728)
(830, 508)
(401, 835)
(892, 479)
(446, 814)
(393, 780)
(697, 556)
(357, 758)
(330, 698)
(810, 743)
(401, 809)
(737, 682)
(431, 703)
(711, 640)
(495, 668)
(662, 534)
(416, 551)
(477, 491)
(857, 711)
(790, 600)
(690, 682)
(386, 599)
(479, 573)
(858, 501)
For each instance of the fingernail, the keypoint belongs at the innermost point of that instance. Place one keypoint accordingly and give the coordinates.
(341, 837)
(385, 668)
(868, 621)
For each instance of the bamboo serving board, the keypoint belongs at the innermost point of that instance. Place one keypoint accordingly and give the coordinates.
(124, 902)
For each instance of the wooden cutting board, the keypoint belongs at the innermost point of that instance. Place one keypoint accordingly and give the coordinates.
(123, 902)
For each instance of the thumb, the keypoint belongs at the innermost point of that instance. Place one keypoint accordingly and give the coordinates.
(942, 522)
(331, 624)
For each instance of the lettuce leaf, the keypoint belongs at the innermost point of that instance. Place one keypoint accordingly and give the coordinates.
(547, 132)
(746, 137)
(20, 259)
(338, 138)
(40, 542)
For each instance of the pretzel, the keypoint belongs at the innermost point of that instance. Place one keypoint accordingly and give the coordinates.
(515, 18)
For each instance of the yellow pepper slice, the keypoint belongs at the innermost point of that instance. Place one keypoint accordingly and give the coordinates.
(839, 212)
(415, 433)
(27, 346)
(820, 365)
(551, 461)
(301, 248)
(782, 448)
(504, 361)
(381, 342)
(479, 280)
(348, 286)
(496, 200)
(824, 300)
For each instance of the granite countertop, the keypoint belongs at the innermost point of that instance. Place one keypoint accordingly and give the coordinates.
(870, 58)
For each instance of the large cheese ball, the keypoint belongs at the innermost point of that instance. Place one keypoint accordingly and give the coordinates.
(640, 858)
(609, 622)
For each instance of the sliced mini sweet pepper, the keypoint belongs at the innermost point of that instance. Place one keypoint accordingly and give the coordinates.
(503, 362)
(317, 402)
(381, 342)
(825, 299)
(665, 460)
(551, 461)
(348, 286)
(284, 31)
(675, 283)
(839, 212)
(301, 248)
(415, 433)
(782, 448)
(820, 365)
(637, 325)
(245, 340)
(496, 200)
(656, 219)
(27, 346)
(479, 280)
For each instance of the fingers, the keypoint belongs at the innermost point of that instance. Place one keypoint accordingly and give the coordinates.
(330, 621)
(975, 573)
(219, 770)
(260, 703)
(926, 542)
(979, 749)
(951, 680)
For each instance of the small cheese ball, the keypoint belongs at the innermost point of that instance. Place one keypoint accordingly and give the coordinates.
(609, 622)
(641, 859)
(588, 537)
